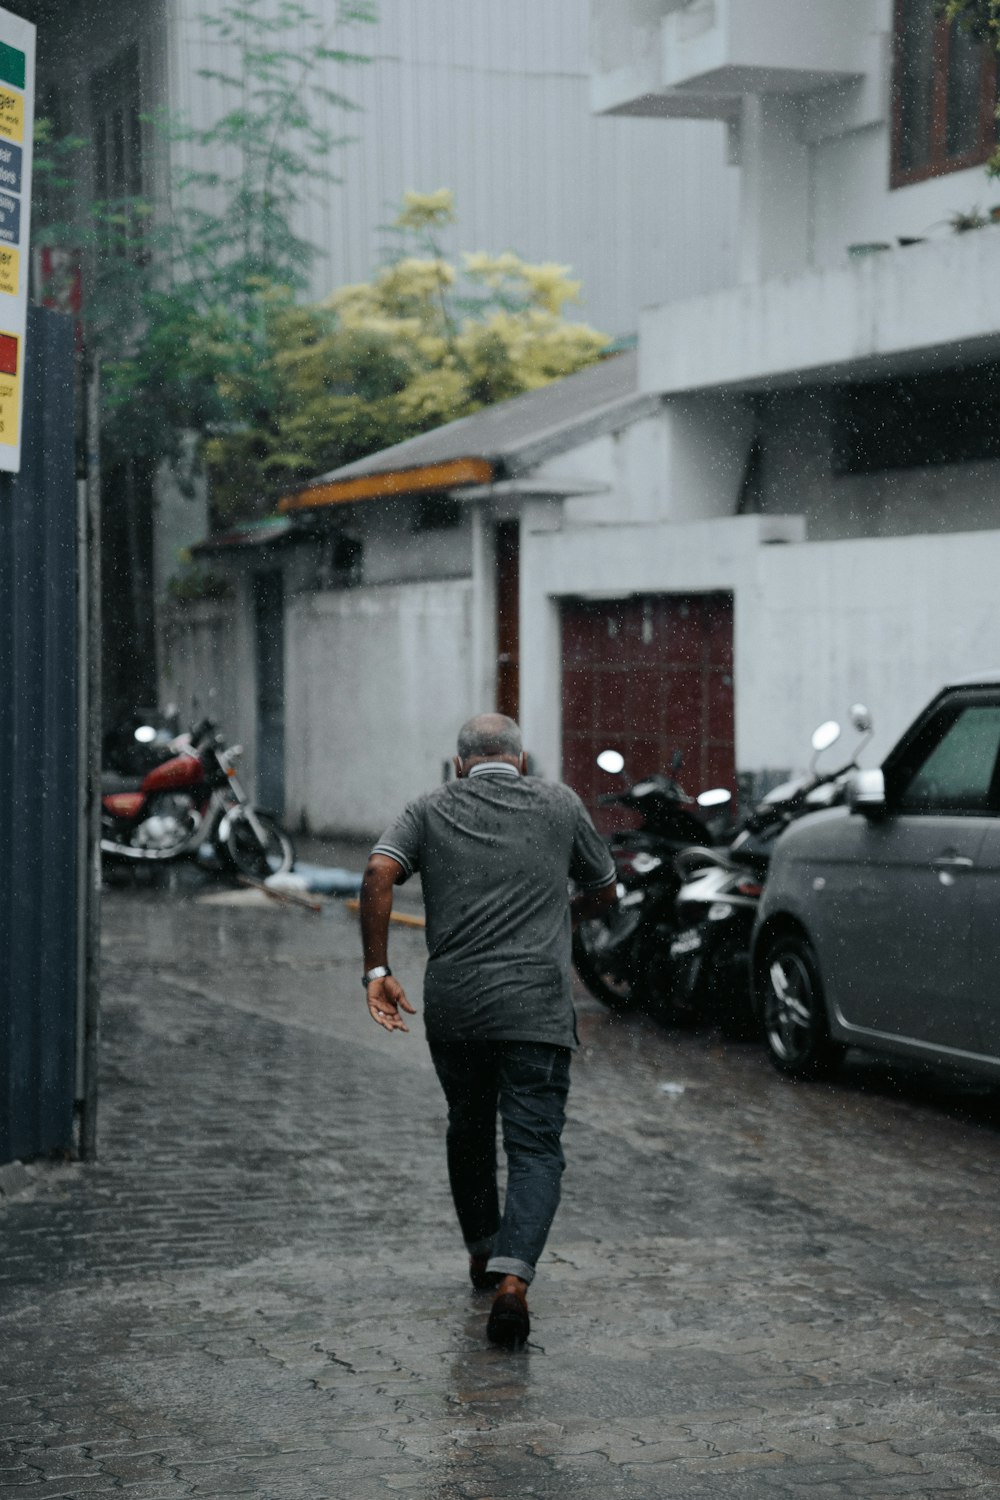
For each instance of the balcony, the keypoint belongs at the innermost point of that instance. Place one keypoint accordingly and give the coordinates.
(932, 306)
(698, 58)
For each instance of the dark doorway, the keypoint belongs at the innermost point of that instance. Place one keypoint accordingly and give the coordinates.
(650, 676)
(127, 590)
(508, 551)
(269, 633)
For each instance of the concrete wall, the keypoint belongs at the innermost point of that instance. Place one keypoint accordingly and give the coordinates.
(378, 682)
(796, 475)
(397, 551)
(814, 161)
(889, 621)
(818, 626)
(207, 669)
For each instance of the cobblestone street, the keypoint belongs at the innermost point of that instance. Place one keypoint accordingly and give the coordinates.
(753, 1289)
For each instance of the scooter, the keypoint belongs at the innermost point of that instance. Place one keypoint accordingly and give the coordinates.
(615, 955)
(189, 799)
(708, 950)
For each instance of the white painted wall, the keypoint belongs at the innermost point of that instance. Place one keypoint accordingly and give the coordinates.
(887, 621)
(395, 551)
(378, 682)
(796, 475)
(207, 669)
(814, 158)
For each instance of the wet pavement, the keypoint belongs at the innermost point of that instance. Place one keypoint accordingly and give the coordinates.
(752, 1288)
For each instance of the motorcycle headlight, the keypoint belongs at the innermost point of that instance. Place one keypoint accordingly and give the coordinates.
(719, 911)
(644, 863)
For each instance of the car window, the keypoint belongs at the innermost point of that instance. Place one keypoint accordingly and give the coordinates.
(957, 773)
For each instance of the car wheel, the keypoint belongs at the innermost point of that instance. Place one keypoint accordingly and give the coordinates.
(794, 1012)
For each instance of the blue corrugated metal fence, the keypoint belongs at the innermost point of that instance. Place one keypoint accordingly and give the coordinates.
(39, 759)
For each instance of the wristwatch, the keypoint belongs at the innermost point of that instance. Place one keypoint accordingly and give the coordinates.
(379, 973)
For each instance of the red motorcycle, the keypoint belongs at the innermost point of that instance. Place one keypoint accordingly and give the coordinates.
(192, 798)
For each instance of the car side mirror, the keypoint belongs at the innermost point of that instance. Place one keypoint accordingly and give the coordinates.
(866, 793)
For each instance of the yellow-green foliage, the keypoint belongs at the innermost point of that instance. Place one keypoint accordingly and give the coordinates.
(429, 338)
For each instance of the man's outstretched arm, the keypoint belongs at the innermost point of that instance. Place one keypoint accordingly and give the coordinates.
(386, 997)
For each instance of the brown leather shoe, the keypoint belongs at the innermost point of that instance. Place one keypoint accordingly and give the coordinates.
(482, 1280)
(509, 1324)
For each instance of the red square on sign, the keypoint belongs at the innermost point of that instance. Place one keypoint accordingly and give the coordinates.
(8, 354)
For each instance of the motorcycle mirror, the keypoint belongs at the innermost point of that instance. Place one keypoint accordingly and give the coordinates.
(861, 718)
(716, 796)
(611, 761)
(826, 735)
(145, 734)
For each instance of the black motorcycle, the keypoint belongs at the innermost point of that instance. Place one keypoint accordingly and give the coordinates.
(707, 957)
(615, 955)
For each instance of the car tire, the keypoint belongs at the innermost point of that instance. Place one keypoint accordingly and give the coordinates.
(793, 1011)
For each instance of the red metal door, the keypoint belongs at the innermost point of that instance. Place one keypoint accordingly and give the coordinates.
(508, 541)
(648, 676)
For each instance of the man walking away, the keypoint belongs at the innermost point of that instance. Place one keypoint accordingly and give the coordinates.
(495, 849)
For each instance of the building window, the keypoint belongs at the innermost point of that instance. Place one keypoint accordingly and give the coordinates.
(944, 95)
(117, 144)
(947, 418)
(436, 513)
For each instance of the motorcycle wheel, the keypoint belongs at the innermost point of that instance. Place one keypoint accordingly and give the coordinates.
(605, 959)
(248, 857)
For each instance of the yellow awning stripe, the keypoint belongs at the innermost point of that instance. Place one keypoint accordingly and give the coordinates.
(418, 481)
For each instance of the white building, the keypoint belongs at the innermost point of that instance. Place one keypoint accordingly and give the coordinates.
(489, 100)
(789, 502)
(847, 379)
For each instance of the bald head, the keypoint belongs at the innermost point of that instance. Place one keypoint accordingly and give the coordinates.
(489, 735)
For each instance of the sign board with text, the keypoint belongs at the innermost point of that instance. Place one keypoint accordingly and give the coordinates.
(17, 113)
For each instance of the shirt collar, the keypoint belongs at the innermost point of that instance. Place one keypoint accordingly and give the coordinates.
(494, 768)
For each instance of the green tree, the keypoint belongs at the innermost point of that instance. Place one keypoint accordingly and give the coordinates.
(176, 295)
(429, 338)
(175, 304)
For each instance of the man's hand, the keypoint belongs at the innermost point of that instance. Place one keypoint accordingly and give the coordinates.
(599, 903)
(386, 998)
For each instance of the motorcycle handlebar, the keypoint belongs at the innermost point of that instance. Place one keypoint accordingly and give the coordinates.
(687, 861)
(201, 732)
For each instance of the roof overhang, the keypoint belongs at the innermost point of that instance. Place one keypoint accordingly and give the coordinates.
(424, 479)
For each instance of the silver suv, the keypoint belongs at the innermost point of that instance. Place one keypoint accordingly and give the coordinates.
(880, 923)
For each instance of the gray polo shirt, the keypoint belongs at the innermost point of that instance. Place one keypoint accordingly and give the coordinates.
(495, 851)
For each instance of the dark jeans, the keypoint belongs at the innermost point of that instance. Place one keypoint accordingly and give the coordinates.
(528, 1083)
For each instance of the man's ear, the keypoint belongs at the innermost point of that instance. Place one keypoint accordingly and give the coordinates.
(459, 773)
(523, 763)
